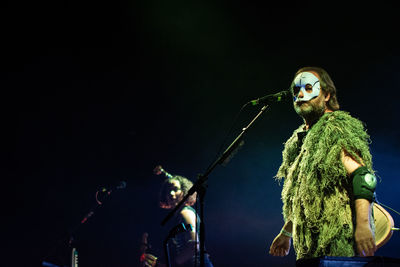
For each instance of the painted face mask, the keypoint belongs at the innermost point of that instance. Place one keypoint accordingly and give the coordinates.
(307, 83)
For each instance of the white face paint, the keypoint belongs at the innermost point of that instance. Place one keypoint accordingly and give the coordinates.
(308, 84)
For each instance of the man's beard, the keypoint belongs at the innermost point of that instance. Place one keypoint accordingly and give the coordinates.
(310, 111)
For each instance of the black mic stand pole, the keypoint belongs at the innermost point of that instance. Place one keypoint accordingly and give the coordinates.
(200, 186)
(73, 232)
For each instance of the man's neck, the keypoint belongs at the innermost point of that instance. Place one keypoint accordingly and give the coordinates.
(311, 121)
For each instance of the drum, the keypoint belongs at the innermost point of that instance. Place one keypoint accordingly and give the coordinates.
(383, 225)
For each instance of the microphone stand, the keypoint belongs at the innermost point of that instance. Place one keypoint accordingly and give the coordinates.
(200, 185)
(71, 239)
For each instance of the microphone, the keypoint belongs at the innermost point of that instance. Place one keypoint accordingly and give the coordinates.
(272, 98)
(120, 185)
(104, 192)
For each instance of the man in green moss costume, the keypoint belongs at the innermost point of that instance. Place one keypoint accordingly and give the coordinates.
(328, 178)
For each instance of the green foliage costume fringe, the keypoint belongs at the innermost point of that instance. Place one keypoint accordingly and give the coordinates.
(317, 193)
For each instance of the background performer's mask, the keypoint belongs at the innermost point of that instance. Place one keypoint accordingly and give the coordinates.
(307, 83)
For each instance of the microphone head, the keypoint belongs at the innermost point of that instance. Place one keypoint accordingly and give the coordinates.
(283, 96)
(272, 98)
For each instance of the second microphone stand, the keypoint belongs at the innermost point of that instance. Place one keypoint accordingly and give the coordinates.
(200, 185)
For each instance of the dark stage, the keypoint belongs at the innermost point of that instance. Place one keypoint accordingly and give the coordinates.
(95, 92)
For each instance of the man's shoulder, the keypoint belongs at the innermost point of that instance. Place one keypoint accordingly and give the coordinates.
(340, 116)
(339, 124)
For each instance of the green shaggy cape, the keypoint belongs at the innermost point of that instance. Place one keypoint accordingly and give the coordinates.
(317, 193)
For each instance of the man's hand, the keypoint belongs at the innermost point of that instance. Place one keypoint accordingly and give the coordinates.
(365, 240)
(280, 246)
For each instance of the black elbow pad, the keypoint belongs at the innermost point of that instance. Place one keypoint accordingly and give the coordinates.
(364, 184)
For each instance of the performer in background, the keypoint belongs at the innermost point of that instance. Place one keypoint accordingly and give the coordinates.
(184, 247)
(328, 178)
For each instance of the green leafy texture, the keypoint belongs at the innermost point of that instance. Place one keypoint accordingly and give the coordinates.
(317, 192)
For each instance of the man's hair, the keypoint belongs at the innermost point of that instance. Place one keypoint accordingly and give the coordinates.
(326, 83)
(185, 183)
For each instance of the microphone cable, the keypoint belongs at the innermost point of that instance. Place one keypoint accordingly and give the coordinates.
(385, 206)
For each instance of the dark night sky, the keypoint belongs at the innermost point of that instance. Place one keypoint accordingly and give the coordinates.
(98, 92)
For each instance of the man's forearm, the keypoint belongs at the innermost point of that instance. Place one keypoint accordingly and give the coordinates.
(363, 211)
(364, 236)
(288, 227)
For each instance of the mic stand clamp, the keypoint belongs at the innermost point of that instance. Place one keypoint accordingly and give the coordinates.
(200, 187)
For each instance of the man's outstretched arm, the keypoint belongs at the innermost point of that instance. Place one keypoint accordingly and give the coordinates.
(364, 237)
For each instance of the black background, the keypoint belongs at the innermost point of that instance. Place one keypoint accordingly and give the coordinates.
(97, 92)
